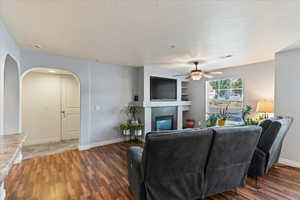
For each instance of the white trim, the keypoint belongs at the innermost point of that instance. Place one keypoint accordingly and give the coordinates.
(101, 143)
(289, 162)
(11, 133)
(42, 140)
(18, 158)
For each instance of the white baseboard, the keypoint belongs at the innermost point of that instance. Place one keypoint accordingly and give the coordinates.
(101, 143)
(289, 162)
(41, 141)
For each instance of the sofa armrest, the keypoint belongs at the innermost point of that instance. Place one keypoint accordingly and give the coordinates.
(135, 154)
(135, 174)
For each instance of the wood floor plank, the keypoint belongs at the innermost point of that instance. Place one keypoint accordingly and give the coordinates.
(101, 174)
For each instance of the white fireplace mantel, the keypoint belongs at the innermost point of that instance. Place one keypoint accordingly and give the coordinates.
(162, 103)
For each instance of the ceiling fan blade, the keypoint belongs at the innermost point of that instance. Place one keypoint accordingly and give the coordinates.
(215, 73)
(207, 75)
(188, 77)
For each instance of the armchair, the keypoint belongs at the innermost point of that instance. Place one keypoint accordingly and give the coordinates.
(268, 150)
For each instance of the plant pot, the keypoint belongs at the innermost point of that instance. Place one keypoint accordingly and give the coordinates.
(126, 132)
(221, 122)
(134, 122)
(213, 123)
(138, 132)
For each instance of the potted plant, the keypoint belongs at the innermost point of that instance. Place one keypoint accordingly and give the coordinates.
(250, 121)
(125, 128)
(131, 112)
(138, 129)
(212, 120)
(246, 111)
(223, 116)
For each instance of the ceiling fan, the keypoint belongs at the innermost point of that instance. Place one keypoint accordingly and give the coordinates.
(197, 73)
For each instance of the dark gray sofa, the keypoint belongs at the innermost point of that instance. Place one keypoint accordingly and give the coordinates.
(191, 164)
(269, 146)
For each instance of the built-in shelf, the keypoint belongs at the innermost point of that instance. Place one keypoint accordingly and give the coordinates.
(144, 92)
(186, 104)
(185, 108)
(184, 90)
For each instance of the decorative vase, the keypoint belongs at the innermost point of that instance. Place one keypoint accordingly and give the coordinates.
(190, 123)
(137, 132)
(126, 132)
(221, 122)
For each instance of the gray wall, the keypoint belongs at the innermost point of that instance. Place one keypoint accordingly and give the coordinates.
(112, 87)
(8, 47)
(11, 96)
(109, 86)
(258, 82)
(287, 99)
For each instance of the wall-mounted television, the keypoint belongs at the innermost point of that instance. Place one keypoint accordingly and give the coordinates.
(163, 89)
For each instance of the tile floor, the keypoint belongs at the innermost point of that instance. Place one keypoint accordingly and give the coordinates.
(38, 150)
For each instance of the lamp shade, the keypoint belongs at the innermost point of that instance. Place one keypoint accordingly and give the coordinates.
(265, 106)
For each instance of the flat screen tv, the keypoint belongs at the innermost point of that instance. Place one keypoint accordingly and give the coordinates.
(163, 89)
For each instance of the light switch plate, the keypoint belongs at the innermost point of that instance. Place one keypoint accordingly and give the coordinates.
(98, 108)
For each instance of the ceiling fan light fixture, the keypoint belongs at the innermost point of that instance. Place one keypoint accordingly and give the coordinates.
(196, 75)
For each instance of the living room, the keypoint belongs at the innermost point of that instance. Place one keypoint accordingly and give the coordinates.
(132, 100)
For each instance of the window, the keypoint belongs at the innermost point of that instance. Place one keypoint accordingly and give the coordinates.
(222, 93)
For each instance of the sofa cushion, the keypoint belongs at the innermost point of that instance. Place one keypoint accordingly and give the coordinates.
(230, 157)
(264, 124)
(174, 163)
(267, 139)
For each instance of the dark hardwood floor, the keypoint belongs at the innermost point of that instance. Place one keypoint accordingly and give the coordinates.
(101, 174)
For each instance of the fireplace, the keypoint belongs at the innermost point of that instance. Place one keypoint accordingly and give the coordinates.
(164, 118)
(164, 123)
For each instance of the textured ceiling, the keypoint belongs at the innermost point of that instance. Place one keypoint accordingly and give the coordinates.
(138, 32)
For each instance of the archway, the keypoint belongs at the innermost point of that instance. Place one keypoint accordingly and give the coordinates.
(11, 96)
(50, 110)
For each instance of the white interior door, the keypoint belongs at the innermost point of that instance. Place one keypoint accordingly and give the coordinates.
(41, 107)
(70, 107)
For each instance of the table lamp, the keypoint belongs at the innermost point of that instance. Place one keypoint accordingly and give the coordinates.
(265, 107)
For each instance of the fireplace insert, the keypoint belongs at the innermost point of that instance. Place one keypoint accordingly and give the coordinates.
(164, 123)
